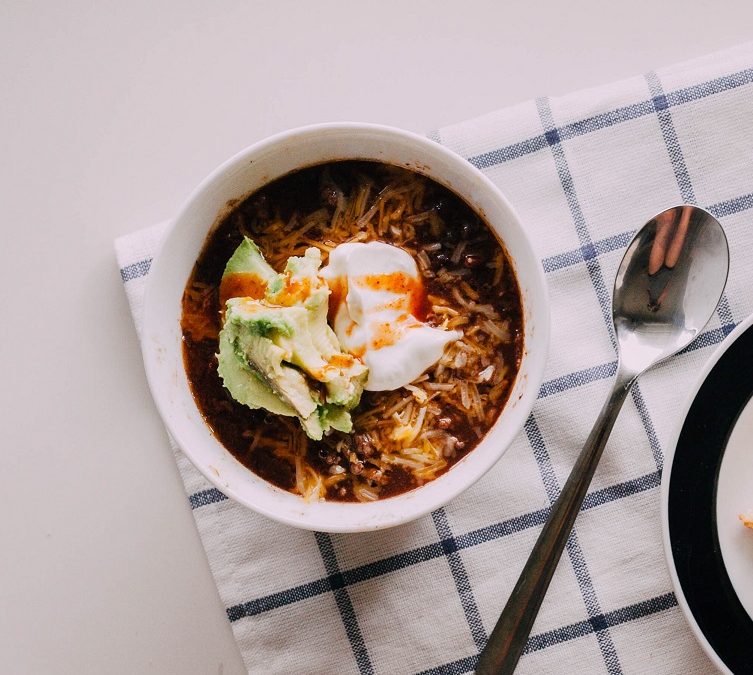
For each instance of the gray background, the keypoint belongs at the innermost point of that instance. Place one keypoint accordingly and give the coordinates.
(110, 114)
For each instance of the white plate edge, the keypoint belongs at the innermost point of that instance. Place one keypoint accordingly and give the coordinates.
(666, 473)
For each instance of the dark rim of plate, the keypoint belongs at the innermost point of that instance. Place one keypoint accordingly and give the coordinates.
(692, 506)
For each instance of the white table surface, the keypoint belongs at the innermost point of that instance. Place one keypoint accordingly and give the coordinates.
(110, 113)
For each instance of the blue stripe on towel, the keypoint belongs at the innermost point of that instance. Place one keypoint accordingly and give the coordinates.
(135, 270)
(460, 577)
(613, 117)
(575, 553)
(344, 604)
(550, 638)
(679, 166)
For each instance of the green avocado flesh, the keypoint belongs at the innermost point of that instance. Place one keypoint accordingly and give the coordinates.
(279, 353)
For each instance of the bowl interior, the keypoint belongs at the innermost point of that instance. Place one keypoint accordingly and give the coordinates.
(243, 174)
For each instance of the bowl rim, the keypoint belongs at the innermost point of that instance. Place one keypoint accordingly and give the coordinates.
(535, 278)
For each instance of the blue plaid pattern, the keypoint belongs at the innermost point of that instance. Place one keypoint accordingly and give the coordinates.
(373, 586)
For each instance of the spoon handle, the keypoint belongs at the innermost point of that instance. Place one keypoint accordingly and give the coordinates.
(509, 637)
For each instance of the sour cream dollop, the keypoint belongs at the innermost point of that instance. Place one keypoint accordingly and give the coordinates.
(377, 299)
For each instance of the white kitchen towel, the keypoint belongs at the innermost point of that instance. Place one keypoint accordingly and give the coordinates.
(584, 171)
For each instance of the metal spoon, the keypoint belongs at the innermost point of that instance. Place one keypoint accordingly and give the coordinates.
(667, 288)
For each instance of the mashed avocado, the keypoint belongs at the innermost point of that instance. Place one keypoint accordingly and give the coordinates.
(279, 353)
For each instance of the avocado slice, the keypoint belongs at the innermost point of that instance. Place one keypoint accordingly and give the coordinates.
(286, 327)
(244, 385)
(279, 353)
(265, 359)
(335, 417)
(246, 274)
(247, 258)
(320, 353)
(252, 370)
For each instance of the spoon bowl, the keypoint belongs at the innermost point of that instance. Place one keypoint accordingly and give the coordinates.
(668, 285)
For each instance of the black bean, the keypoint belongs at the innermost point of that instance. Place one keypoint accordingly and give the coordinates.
(442, 258)
(329, 195)
(261, 205)
(451, 235)
(364, 445)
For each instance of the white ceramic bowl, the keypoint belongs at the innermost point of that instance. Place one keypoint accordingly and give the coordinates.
(245, 173)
